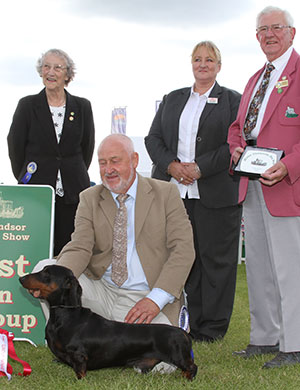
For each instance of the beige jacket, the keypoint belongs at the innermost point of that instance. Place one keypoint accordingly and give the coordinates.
(163, 234)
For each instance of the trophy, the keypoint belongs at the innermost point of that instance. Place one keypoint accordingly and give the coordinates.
(256, 160)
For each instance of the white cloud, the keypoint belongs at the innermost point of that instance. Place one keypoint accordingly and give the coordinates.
(175, 13)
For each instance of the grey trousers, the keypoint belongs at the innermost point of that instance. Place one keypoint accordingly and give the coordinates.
(272, 247)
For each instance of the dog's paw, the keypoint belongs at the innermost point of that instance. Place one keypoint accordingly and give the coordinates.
(138, 370)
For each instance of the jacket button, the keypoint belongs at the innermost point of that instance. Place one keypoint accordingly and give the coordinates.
(198, 139)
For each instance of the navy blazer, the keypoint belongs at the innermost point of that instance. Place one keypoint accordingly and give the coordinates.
(216, 187)
(32, 137)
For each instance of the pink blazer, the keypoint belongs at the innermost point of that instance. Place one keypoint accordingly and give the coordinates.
(277, 131)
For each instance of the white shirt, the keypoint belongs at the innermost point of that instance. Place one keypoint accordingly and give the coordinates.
(188, 129)
(279, 64)
(58, 116)
(136, 277)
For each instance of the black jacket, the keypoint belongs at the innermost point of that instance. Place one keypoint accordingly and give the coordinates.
(32, 138)
(216, 187)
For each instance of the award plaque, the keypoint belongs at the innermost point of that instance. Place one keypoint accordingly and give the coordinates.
(256, 160)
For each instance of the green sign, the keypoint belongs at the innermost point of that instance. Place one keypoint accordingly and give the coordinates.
(26, 232)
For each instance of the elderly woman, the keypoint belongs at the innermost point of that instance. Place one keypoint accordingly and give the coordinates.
(187, 144)
(51, 140)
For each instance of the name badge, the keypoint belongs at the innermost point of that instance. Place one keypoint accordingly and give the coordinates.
(212, 100)
(282, 84)
(256, 160)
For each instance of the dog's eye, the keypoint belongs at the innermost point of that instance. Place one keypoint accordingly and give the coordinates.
(46, 275)
(47, 278)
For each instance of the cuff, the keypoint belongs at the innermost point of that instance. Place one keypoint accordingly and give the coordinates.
(160, 297)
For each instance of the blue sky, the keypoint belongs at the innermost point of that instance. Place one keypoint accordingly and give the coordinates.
(127, 52)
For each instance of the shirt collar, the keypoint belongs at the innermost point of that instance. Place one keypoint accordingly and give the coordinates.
(282, 60)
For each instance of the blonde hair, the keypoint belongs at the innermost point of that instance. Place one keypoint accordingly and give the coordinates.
(212, 49)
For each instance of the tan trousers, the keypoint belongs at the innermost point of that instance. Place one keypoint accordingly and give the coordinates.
(110, 302)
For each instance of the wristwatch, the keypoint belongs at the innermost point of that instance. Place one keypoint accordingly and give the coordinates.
(197, 169)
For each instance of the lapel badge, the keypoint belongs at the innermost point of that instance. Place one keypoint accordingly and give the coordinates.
(290, 113)
(32, 167)
(212, 100)
(281, 84)
(71, 117)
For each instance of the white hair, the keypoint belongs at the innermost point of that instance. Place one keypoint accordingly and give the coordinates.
(122, 138)
(270, 9)
(62, 54)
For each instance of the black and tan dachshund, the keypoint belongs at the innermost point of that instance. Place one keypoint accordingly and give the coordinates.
(86, 341)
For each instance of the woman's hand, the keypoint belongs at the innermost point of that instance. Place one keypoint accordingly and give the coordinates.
(184, 173)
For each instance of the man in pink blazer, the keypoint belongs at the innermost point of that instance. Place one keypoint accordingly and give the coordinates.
(272, 203)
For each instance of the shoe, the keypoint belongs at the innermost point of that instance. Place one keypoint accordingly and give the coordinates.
(161, 368)
(164, 368)
(283, 359)
(253, 350)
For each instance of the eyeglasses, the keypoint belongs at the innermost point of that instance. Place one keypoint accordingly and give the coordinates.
(56, 68)
(275, 28)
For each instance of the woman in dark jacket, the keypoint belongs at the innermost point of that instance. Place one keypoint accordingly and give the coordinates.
(187, 143)
(51, 141)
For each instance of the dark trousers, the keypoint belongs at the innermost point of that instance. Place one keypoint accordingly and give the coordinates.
(63, 223)
(211, 284)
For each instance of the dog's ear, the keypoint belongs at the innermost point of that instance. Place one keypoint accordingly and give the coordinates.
(75, 291)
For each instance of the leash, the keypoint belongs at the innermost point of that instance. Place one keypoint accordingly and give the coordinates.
(7, 349)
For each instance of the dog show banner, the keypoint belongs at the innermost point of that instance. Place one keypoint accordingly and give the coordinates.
(26, 236)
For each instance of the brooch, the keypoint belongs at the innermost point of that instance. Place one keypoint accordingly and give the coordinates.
(281, 84)
(71, 117)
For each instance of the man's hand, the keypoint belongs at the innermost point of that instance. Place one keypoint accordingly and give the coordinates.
(274, 174)
(142, 312)
(237, 154)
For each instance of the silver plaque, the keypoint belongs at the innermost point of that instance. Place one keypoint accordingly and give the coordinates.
(256, 160)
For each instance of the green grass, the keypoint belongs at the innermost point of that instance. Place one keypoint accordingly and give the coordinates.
(217, 368)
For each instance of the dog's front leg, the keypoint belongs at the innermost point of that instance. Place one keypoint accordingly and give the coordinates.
(79, 363)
